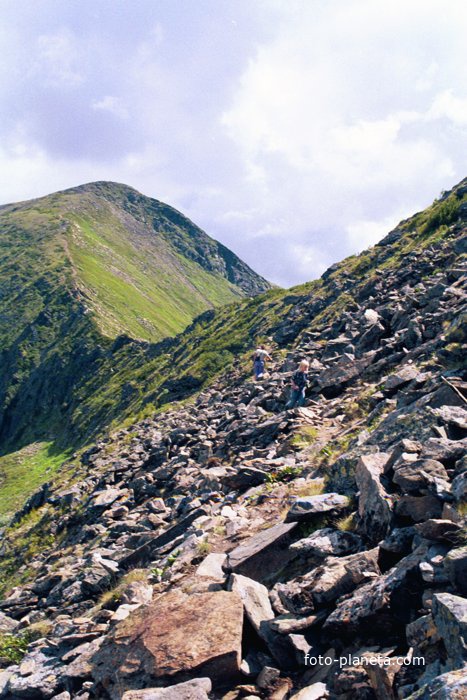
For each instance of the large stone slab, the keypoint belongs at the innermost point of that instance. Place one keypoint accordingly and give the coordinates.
(403, 376)
(176, 638)
(255, 598)
(310, 507)
(374, 503)
(343, 372)
(264, 554)
(317, 691)
(328, 542)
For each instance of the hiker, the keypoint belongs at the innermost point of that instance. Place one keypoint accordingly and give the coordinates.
(299, 382)
(259, 358)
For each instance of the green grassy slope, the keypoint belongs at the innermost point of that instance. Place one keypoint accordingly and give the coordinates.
(80, 268)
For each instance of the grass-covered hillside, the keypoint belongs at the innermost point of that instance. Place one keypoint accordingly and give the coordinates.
(82, 267)
(85, 383)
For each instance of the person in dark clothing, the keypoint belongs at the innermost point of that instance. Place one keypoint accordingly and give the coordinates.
(299, 383)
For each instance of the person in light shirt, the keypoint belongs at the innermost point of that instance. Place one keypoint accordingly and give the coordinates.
(259, 358)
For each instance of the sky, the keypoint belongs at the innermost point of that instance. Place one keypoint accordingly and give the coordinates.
(296, 132)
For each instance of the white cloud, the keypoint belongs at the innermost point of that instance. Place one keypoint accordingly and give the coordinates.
(111, 104)
(344, 116)
(449, 106)
(58, 56)
(311, 261)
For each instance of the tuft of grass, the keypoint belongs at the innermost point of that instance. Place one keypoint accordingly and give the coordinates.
(203, 548)
(13, 647)
(114, 594)
(347, 523)
(305, 436)
(39, 630)
(312, 488)
(219, 530)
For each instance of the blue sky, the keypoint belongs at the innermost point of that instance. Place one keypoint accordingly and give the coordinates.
(296, 132)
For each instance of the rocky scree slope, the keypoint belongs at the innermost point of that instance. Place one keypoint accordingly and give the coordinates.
(82, 273)
(206, 551)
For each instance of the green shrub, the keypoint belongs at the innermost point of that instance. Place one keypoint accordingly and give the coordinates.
(283, 474)
(443, 214)
(13, 646)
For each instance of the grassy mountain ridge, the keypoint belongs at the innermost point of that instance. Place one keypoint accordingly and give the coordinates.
(78, 269)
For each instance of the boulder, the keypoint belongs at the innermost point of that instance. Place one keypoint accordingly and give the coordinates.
(405, 450)
(450, 617)
(403, 376)
(422, 632)
(79, 670)
(255, 598)
(137, 592)
(264, 554)
(417, 476)
(448, 686)
(177, 637)
(374, 503)
(38, 677)
(197, 689)
(309, 507)
(456, 567)
(335, 378)
(455, 416)
(7, 624)
(381, 673)
(419, 508)
(95, 579)
(326, 583)
(378, 609)
(244, 478)
(444, 449)
(291, 624)
(439, 530)
(267, 677)
(211, 567)
(399, 540)
(459, 487)
(4, 681)
(326, 542)
(104, 499)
